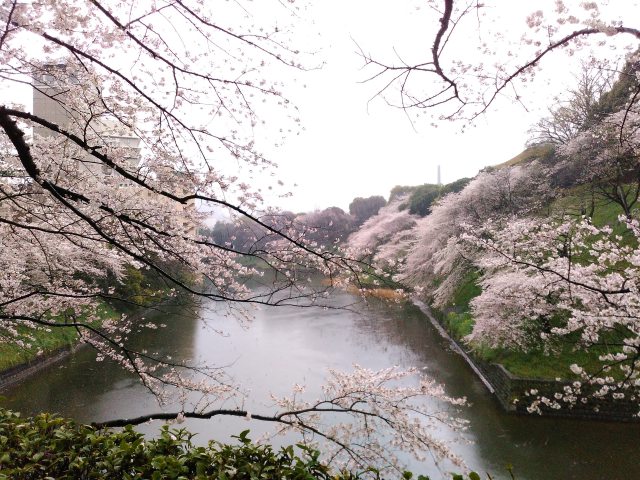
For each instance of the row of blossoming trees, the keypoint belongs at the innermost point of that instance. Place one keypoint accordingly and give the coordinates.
(549, 272)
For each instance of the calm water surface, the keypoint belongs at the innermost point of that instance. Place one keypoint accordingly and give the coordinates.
(283, 346)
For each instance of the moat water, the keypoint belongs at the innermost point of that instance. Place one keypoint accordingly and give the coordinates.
(285, 345)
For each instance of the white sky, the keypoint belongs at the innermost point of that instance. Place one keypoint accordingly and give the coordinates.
(351, 148)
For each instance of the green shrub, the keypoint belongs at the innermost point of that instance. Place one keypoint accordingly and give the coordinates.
(49, 447)
(422, 198)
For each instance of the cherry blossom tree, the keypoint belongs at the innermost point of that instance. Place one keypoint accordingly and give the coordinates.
(364, 208)
(553, 281)
(549, 282)
(78, 189)
(386, 236)
(145, 104)
(607, 154)
(576, 109)
(470, 66)
(327, 227)
(435, 262)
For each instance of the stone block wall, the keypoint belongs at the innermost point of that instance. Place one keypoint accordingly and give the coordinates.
(515, 395)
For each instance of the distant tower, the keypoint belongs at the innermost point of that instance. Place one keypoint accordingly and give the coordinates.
(439, 180)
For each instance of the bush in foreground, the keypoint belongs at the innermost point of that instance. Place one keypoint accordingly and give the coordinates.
(50, 447)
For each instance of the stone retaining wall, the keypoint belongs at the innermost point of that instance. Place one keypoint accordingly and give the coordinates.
(513, 392)
(17, 373)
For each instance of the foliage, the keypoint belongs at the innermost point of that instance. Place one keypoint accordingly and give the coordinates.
(139, 288)
(617, 97)
(47, 446)
(422, 197)
(466, 291)
(400, 191)
(248, 236)
(326, 228)
(459, 325)
(364, 208)
(455, 186)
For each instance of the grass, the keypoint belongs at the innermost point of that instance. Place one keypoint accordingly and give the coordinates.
(466, 291)
(45, 342)
(538, 151)
(538, 364)
(605, 212)
(456, 315)
(459, 325)
(535, 363)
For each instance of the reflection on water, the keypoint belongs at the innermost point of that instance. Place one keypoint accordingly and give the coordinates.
(287, 345)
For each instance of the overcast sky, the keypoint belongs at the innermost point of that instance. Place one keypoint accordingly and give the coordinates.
(352, 147)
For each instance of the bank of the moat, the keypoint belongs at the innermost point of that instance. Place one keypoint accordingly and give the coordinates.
(515, 394)
(54, 347)
(45, 348)
(16, 373)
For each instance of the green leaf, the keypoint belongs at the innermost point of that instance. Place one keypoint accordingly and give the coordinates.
(243, 437)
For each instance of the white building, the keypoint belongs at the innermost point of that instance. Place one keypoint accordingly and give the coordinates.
(56, 93)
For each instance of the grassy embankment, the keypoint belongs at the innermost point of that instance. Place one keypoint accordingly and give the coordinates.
(45, 342)
(535, 363)
(140, 288)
